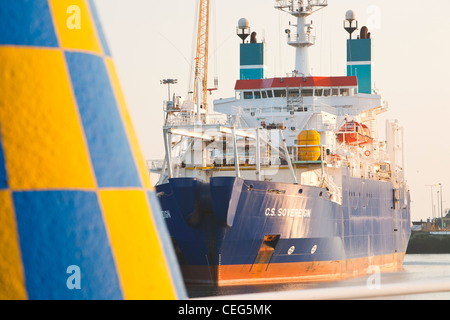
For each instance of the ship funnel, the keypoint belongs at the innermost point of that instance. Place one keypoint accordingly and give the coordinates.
(252, 54)
(359, 54)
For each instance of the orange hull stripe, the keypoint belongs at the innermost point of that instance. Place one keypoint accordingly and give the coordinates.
(291, 272)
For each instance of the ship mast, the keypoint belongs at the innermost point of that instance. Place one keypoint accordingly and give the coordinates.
(201, 58)
(303, 38)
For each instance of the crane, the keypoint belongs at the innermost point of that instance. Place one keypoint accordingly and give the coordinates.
(201, 64)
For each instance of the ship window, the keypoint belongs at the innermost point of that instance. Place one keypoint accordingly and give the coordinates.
(334, 92)
(248, 95)
(307, 92)
(345, 92)
(293, 93)
(319, 92)
(269, 94)
(280, 93)
(257, 95)
(326, 92)
(264, 94)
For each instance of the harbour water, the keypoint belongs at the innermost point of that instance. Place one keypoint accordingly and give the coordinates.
(416, 267)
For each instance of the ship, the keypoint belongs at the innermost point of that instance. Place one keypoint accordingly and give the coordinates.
(289, 180)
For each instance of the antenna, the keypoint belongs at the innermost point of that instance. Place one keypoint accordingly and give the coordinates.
(350, 17)
(169, 82)
(201, 58)
(303, 38)
(243, 30)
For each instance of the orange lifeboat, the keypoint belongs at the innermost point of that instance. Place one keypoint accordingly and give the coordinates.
(355, 134)
(367, 135)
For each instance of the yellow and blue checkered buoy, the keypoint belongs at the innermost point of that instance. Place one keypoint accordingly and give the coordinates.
(78, 215)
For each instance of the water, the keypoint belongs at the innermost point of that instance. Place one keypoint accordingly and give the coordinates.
(416, 267)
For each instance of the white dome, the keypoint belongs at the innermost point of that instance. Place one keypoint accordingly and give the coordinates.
(350, 15)
(243, 23)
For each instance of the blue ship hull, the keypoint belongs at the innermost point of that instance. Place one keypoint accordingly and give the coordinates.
(233, 231)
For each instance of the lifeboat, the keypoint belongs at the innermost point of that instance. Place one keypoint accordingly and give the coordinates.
(367, 135)
(355, 134)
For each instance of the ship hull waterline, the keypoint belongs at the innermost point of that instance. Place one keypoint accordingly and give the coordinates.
(232, 231)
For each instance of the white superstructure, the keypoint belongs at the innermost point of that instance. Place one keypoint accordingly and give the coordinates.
(259, 134)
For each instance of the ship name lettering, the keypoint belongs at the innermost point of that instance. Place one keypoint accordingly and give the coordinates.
(284, 212)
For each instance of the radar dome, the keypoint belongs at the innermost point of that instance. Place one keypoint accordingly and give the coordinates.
(243, 23)
(350, 15)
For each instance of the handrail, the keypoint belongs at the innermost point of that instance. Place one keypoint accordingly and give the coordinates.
(301, 38)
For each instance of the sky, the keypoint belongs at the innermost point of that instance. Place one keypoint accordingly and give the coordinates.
(154, 40)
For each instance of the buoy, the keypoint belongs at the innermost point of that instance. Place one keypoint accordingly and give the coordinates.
(78, 214)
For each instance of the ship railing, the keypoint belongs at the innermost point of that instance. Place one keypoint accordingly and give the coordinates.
(304, 155)
(155, 165)
(299, 104)
(295, 38)
(296, 7)
(250, 162)
(191, 119)
(292, 6)
(277, 156)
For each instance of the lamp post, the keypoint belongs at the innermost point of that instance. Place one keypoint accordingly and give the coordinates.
(442, 216)
(169, 82)
(432, 202)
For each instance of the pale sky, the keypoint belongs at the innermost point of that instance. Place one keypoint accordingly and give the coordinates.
(153, 40)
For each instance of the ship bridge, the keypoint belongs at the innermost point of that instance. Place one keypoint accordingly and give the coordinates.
(335, 95)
